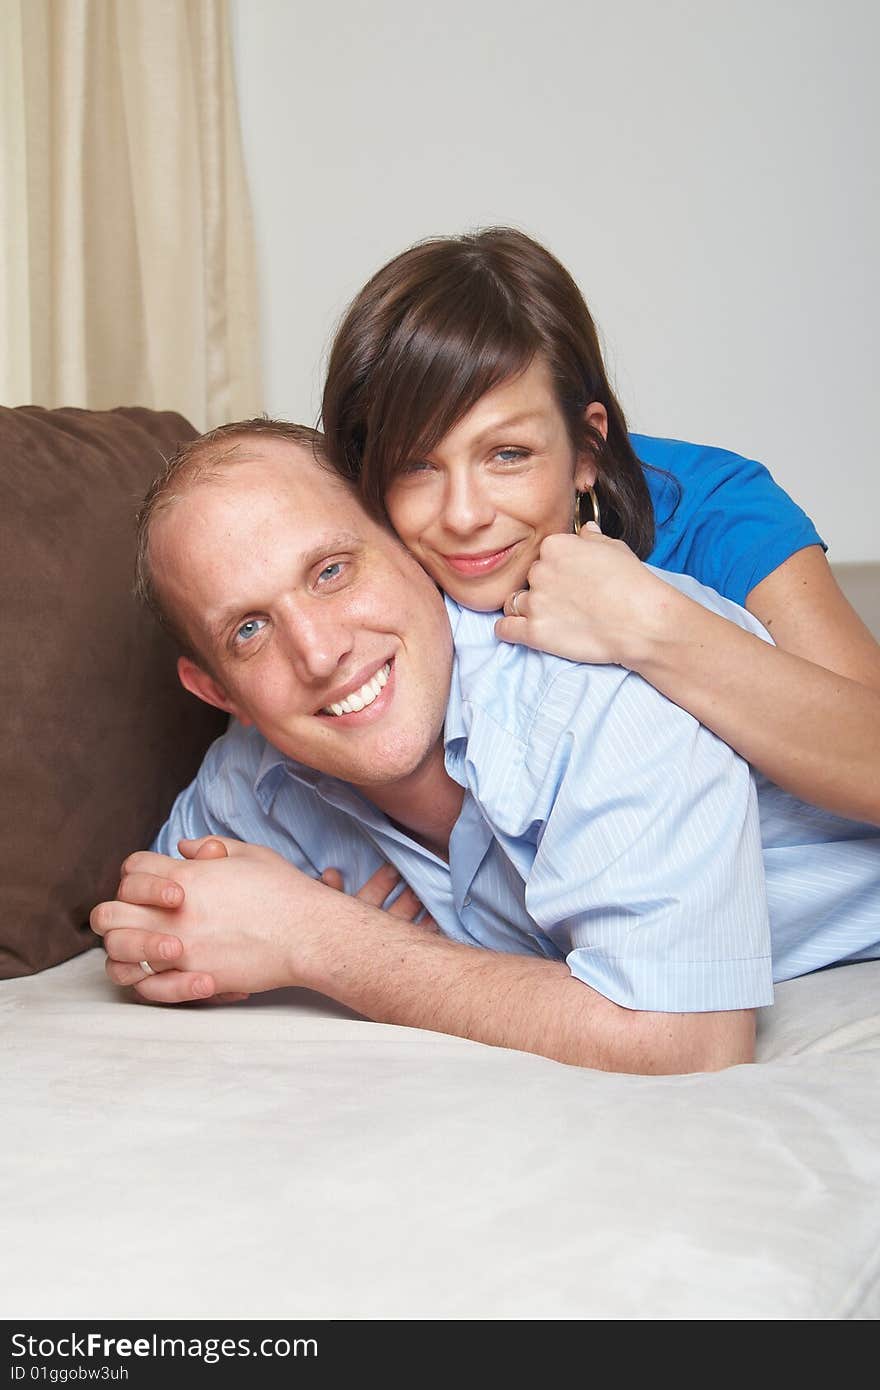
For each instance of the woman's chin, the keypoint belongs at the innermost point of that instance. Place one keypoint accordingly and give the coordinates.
(481, 598)
(485, 592)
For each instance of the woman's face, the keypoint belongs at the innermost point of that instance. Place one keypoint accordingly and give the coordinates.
(474, 513)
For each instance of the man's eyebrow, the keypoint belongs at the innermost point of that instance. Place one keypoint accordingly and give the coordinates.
(344, 540)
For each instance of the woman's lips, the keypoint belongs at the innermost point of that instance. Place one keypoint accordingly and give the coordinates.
(482, 563)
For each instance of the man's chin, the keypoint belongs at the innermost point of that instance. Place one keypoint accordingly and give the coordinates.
(391, 773)
(394, 761)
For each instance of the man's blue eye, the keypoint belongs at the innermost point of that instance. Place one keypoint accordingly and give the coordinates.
(248, 629)
(511, 455)
(331, 571)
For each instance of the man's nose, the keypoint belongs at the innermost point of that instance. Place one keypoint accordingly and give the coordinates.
(467, 504)
(317, 640)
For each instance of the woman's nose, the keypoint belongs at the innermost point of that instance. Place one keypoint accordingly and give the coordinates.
(467, 505)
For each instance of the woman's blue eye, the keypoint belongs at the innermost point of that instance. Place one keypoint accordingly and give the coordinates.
(248, 629)
(511, 455)
(416, 466)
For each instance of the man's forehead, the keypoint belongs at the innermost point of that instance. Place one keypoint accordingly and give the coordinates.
(243, 522)
(255, 479)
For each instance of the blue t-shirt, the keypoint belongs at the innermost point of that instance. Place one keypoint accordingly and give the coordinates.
(729, 525)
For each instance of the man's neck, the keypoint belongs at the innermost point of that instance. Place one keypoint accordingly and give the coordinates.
(426, 804)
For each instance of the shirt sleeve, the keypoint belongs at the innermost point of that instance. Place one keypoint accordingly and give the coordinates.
(727, 523)
(649, 874)
(193, 814)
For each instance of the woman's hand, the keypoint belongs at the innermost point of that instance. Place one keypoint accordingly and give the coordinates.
(589, 599)
(379, 887)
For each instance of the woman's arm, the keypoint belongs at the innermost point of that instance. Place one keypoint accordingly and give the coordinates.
(806, 712)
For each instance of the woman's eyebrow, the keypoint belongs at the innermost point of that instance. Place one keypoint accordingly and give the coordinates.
(509, 422)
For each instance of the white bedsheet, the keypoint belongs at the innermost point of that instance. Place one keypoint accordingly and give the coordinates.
(284, 1158)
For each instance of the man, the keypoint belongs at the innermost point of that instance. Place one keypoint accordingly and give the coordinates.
(603, 845)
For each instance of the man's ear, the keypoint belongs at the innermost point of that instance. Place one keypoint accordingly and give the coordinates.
(203, 685)
(585, 470)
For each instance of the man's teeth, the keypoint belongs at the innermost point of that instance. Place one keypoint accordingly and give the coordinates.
(359, 699)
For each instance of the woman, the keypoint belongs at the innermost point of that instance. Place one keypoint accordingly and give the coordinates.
(466, 392)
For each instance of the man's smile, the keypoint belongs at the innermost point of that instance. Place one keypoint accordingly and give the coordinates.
(365, 691)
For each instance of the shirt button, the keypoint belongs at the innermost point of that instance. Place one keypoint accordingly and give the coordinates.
(466, 903)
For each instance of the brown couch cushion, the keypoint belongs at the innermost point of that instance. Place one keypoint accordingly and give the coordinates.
(97, 735)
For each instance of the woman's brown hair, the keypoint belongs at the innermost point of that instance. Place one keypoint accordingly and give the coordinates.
(442, 324)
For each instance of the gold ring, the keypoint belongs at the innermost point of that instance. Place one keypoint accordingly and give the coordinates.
(514, 603)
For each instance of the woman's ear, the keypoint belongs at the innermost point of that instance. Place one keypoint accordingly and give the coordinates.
(596, 416)
(203, 685)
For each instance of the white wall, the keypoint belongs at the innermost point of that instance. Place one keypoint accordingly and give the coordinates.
(708, 171)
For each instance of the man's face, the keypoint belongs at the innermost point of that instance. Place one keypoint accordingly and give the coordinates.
(317, 625)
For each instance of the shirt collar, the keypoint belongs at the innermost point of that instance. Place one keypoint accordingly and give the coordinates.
(454, 728)
(273, 764)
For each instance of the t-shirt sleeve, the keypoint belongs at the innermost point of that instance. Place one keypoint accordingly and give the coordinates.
(728, 523)
(648, 874)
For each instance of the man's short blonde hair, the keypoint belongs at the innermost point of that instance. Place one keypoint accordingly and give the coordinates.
(203, 460)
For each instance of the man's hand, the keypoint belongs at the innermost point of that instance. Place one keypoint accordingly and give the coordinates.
(235, 925)
(163, 950)
(194, 928)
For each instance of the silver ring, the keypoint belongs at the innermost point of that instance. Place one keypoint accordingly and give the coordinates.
(514, 602)
(146, 967)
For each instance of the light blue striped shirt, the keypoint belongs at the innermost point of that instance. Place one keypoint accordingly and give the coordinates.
(601, 825)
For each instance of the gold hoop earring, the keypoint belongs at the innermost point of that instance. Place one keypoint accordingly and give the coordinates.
(579, 518)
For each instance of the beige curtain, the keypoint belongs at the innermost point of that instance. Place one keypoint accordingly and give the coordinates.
(128, 271)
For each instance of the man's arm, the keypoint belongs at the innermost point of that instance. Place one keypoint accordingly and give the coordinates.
(253, 922)
(393, 974)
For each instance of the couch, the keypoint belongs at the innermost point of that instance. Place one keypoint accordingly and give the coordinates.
(285, 1158)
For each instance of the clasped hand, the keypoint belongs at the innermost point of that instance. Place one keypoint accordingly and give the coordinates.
(227, 920)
